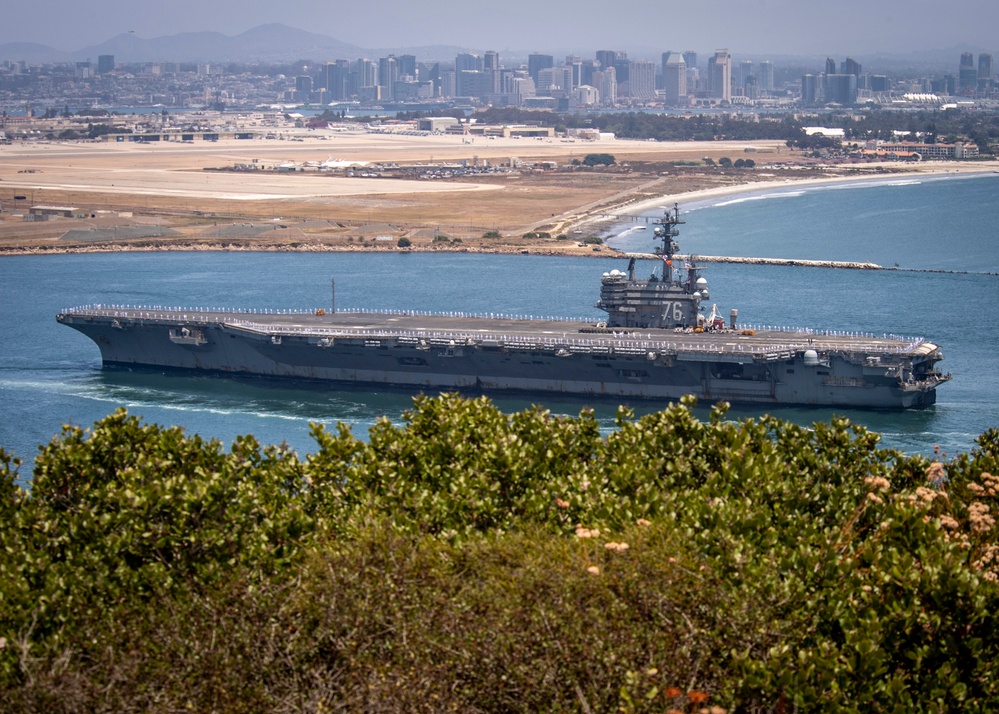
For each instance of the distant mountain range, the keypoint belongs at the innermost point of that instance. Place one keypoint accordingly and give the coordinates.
(266, 43)
(276, 43)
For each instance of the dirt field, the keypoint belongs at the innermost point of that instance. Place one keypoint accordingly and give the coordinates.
(163, 195)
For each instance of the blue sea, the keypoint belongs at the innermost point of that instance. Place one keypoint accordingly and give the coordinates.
(939, 236)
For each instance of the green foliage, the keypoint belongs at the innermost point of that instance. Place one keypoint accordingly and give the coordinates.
(593, 240)
(97, 130)
(492, 234)
(476, 559)
(127, 510)
(725, 162)
(404, 242)
(598, 160)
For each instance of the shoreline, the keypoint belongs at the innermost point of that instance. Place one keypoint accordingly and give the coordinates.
(605, 220)
(937, 170)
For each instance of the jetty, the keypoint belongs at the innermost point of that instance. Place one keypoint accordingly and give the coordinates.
(849, 264)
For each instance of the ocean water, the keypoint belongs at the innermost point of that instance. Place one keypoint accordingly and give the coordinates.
(941, 233)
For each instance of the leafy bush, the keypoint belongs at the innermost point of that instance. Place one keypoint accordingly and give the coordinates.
(598, 160)
(404, 242)
(481, 560)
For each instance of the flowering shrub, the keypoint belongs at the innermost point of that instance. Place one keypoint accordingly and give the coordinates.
(471, 559)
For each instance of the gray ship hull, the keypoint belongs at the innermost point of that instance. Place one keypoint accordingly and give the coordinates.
(432, 353)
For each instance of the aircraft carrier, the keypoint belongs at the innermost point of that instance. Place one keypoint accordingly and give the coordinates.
(659, 342)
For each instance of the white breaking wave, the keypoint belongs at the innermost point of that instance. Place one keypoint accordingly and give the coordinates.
(761, 197)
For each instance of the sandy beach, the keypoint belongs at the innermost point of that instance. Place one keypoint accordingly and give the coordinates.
(137, 196)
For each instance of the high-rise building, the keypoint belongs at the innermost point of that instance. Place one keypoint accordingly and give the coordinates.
(552, 79)
(747, 73)
(841, 88)
(984, 71)
(406, 65)
(491, 68)
(467, 61)
(878, 83)
(606, 58)
(303, 88)
(850, 66)
(690, 59)
(641, 79)
(810, 88)
(429, 71)
(622, 69)
(537, 62)
(448, 83)
(576, 65)
(388, 74)
(335, 79)
(665, 61)
(105, 64)
(967, 75)
(367, 73)
(463, 83)
(605, 81)
(766, 76)
(675, 79)
(720, 75)
(830, 65)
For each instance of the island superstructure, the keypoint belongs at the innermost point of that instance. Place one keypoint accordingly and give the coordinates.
(659, 342)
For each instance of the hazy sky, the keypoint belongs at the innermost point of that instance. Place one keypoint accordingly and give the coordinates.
(743, 26)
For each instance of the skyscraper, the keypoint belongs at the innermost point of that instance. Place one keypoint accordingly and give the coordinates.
(967, 77)
(491, 68)
(105, 63)
(642, 79)
(675, 79)
(766, 76)
(537, 62)
(335, 79)
(388, 73)
(850, 66)
(720, 75)
(606, 83)
(810, 88)
(841, 88)
(463, 83)
(665, 61)
(830, 65)
(984, 71)
(606, 58)
(367, 73)
(406, 65)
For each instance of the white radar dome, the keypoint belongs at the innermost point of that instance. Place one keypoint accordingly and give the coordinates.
(811, 358)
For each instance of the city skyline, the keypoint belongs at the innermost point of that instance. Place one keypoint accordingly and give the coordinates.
(777, 27)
